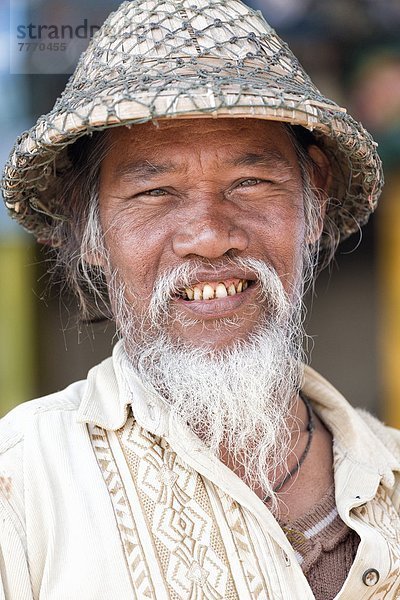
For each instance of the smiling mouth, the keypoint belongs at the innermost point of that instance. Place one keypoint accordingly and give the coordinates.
(212, 290)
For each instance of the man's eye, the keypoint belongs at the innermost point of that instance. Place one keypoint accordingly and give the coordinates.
(155, 192)
(250, 182)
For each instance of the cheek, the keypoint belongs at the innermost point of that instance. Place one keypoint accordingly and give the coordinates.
(138, 245)
(282, 236)
(134, 251)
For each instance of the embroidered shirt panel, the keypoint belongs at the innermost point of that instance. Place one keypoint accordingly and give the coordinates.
(180, 524)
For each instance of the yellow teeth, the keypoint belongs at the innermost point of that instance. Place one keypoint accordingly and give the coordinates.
(211, 291)
(220, 291)
(208, 292)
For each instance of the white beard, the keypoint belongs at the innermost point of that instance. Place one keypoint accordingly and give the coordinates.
(237, 399)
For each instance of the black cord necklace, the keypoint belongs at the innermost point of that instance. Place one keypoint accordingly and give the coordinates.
(310, 429)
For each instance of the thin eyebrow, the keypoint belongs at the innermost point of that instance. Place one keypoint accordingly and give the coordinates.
(269, 158)
(142, 168)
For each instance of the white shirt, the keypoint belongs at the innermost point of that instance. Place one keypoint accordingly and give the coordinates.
(104, 495)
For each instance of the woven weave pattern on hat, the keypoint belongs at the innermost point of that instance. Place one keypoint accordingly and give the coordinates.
(193, 58)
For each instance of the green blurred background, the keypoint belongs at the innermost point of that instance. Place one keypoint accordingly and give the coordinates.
(351, 49)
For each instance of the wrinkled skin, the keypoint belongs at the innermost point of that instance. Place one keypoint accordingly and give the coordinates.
(204, 189)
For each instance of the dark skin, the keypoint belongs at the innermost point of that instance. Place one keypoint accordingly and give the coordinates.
(199, 189)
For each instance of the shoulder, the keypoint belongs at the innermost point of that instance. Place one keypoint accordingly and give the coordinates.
(389, 436)
(24, 435)
(20, 420)
(358, 436)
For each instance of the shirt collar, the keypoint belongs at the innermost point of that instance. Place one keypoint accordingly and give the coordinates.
(111, 387)
(353, 438)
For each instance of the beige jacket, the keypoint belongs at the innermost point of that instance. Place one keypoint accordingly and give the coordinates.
(105, 496)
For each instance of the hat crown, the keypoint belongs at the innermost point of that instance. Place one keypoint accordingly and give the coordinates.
(148, 41)
(160, 29)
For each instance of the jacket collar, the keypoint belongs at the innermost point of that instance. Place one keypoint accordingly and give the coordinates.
(353, 437)
(112, 388)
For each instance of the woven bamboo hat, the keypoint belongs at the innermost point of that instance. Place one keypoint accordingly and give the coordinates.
(186, 58)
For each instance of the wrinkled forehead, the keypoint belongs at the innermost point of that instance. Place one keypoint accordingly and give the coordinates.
(230, 142)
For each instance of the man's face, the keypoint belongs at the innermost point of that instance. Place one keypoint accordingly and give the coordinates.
(202, 191)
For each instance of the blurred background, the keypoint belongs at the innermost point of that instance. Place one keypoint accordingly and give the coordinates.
(351, 49)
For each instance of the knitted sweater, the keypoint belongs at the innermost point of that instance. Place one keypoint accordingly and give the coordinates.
(325, 547)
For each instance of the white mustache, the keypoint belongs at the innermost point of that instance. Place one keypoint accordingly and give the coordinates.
(173, 281)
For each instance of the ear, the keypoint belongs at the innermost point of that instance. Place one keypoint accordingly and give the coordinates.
(321, 178)
(94, 253)
(94, 259)
(92, 242)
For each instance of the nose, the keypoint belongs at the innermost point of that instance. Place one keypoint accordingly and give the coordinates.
(209, 231)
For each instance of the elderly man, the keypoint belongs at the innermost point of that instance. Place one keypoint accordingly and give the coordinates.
(191, 178)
